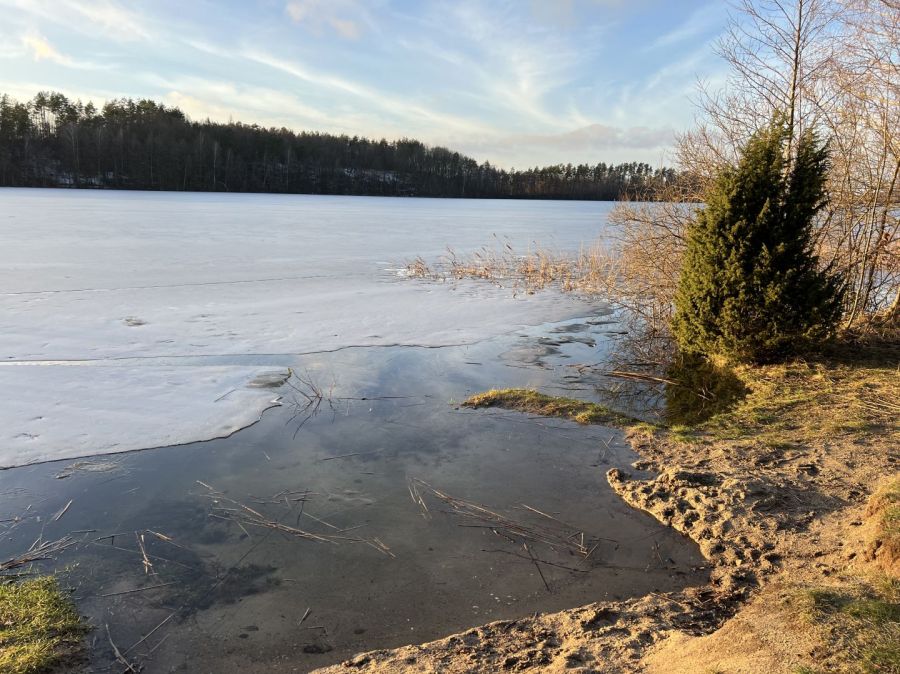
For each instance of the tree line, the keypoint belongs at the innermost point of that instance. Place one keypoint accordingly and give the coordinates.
(52, 141)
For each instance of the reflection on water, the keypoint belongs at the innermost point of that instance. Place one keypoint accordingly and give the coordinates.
(286, 547)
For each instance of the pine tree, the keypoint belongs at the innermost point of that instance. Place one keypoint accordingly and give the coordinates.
(751, 287)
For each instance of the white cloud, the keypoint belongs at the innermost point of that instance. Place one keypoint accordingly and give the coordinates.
(40, 49)
(338, 15)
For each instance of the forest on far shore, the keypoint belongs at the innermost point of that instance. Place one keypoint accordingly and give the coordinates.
(51, 141)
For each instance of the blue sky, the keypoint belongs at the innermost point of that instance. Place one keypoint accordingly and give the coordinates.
(515, 82)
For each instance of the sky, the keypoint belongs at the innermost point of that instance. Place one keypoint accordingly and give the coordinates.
(518, 83)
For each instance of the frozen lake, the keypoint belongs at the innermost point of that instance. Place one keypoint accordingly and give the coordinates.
(122, 309)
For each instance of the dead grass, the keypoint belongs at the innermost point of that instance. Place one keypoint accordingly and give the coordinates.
(39, 626)
(532, 402)
(777, 406)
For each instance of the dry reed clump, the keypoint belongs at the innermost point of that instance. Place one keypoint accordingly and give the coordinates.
(527, 272)
(40, 550)
(635, 268)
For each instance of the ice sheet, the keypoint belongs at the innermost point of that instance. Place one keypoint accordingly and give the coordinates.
(136, 320)
(66, 411)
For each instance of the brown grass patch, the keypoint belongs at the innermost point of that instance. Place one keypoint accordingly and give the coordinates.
(830, 400)
(883, 513)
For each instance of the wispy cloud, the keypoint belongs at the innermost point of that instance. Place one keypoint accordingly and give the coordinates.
(706, 19)
(105, 19)
(404, 108)
(677, 72)
(112, 18)
(513, 81)
(512, 63)
(220, 100)
(40, 49)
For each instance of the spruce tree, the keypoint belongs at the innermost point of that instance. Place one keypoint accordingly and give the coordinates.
(751, 287)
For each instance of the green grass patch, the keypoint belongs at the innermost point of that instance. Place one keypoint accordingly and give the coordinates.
(798, 403)
(682, 433)
(532, 402)
(886, 505)
(39, 626)
(860, 624)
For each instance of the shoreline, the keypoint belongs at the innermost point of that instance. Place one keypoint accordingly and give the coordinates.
(775, 486)
(96, 188)
(774, 492)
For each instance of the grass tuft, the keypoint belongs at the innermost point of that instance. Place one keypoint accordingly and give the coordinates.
(861, 624)
(532, 402)
(39, 626)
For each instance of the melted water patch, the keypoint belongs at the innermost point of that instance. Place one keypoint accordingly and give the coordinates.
(417, 518)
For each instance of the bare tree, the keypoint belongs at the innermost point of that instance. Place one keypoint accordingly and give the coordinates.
(832, 66)
(777, 51)
(863, 120)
